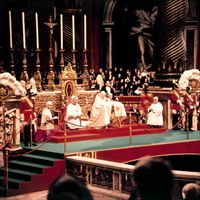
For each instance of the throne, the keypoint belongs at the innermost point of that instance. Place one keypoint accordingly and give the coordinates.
(68, 82)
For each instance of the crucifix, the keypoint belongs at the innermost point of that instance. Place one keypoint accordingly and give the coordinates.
(50, 75)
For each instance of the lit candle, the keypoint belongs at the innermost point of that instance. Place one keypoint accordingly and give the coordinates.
(85, 32)
(10, 28)
(37, 32)
(73, 32)
(23, 30)
(61, 31)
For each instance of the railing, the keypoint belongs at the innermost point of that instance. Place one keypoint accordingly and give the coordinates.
(114, 176)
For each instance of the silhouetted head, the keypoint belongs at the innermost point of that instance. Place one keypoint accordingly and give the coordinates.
(191, 191)
(66, 187)
(153, 179)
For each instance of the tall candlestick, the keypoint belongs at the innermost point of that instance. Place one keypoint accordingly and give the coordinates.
(37, 32)
(61, 31)
(85, 32)
(73, 32)
(23, 30)
(10, 28)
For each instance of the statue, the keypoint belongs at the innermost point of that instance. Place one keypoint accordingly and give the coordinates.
(146, 21)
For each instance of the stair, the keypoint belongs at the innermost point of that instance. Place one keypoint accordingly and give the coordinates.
(31, 172)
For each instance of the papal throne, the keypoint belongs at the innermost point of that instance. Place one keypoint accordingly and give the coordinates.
(68, 82)
(68, 89)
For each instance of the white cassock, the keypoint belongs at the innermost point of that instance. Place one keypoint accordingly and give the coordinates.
(46, 116)
(155, 116)
(119, 109)
(100, 113)
(99, 80)
(73, 114)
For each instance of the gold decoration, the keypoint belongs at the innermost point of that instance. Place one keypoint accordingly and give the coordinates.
(43, 97)
(68, 82)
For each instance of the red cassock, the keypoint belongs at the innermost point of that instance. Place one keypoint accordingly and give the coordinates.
(146, 101)
(29, 115)
(26, 108)
(189, 102)
(174, 101)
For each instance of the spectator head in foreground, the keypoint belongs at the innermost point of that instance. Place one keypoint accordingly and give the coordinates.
(66, 187)
(153, 179)
(191, 191)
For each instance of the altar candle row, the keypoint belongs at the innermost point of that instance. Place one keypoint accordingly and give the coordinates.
(37, 31)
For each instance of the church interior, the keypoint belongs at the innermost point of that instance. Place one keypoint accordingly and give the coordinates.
(88, 88)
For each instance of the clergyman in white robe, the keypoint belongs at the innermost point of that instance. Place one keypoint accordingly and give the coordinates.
(119, 109)
(100, 113)
(47, 123)
(155, 115)
(73, 114)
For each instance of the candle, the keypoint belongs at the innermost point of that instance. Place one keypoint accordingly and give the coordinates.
(61, 31)
(37, 32)
(10, 29)
(23, 30)
(85, 32)
(73, 32)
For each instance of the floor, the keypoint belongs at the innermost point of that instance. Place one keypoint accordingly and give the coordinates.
(42, 195)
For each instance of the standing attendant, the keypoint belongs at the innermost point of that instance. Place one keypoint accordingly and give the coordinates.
(189, 103)
(175, 107)
(28, 118)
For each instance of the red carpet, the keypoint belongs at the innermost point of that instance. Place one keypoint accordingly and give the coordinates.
(131, 153)
(91, 133)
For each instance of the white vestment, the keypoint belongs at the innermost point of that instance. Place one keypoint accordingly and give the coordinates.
(155, 116)
(119, 109)
(73, 114)
(46, 123)
(99, 80)
(100, 113)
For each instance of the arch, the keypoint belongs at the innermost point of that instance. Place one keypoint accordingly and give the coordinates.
(108, 11)
(108, 23)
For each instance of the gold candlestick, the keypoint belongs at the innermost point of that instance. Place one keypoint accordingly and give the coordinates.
(37, 75)
(24, 75)
(85, 69)
(74, 59)
(51, 74)
(62, 63)
(12, 64)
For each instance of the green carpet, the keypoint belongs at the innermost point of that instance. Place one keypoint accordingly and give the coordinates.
(110, 143)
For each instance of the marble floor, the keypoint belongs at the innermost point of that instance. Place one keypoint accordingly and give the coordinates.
(42, 195)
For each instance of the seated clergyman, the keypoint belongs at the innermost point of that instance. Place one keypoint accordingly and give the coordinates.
(73, 114)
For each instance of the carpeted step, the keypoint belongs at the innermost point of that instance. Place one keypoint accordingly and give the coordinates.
(12, 182)
(108, 133)
(2, 191)
(60, 132)
(37, 159)
(40, 181)
(47, 154)
(20, 174)
(25, 170)
(30, 167)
